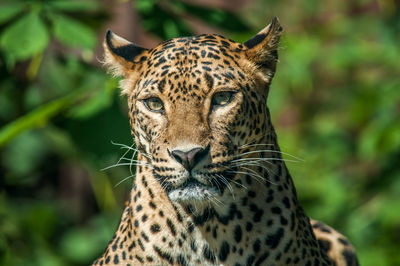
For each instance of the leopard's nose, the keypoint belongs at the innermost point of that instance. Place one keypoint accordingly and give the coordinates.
(190, 158)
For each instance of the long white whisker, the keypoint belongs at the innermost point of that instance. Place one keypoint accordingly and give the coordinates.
(252, 145)
(226, 182)
(264, 159)
(257, 177)
(123, 145)
(120, 182)
(131, 164)
(123, 156)
(272, 151)
(270, 171)
(122, 164)
(257, 140)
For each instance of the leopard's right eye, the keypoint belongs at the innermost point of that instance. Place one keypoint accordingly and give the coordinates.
(222, 98)
(154, 104)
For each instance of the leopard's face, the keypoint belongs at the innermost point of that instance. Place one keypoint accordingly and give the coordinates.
(192, 111)
(195, 103)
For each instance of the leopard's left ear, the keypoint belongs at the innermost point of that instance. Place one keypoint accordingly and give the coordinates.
(120, 55)
(262, 49)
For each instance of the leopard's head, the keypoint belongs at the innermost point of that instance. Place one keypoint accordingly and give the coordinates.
(195, 103)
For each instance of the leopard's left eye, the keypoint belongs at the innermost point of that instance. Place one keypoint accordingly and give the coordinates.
(222, 98)
(154, 104)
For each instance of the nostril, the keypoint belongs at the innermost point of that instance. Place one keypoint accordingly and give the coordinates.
(196, 155)
(179, 156)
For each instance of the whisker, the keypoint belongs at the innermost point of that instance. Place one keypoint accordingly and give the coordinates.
(130, 166)
(253, 145)
(270, 171)
(123, 156)
(226, 182)
(272, 151)
(258, 139)
(238, 184)
(120, 182)
(124, 146)
(122, 164)
(257, 177)
(264, 159)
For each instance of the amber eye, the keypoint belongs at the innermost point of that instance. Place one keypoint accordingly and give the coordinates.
(222, 98)
(154, 104)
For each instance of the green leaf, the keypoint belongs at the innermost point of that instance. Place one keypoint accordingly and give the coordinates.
(36, 118)
(8, 11)
(23, 156)
(101, 99)
(80, 245)
(217, 17)
(74, 5)
(73, 33)
(144, 6)
(25, 38)
(171, 29)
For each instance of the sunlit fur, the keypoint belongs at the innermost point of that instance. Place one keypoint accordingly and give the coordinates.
(238, 204)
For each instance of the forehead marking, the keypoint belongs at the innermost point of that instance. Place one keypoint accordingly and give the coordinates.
(209, 80)
(188, 62)
(161, 85)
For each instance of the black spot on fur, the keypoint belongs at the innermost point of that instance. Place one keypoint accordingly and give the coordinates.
(249, 226)
(273, 240)
(343, 241)
(181, 260)
(164, 255)
(161, 85)
(209, 80)
(350, 257)
(224, 252)
(257, 246)
(261, 259)
(139, 258)
(171, 226)
(155, 228)
(250, 260)
(238, 233)
(286, 202)
(193, 245)
(116, 259)
(208, 254)
(324, 244)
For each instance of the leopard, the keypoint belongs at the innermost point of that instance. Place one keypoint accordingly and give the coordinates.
(211, 185)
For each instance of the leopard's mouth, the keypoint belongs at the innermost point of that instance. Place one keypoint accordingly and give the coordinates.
(199, 187)
(192, 190)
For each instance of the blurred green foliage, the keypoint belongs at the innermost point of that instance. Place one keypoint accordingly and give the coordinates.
(335, 103)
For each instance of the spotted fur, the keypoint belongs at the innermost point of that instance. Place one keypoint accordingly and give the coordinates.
(211, 187)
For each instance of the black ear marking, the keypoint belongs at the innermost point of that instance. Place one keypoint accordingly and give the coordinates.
(262, 49)
(258, 38)
(128, 51)
(255, 40)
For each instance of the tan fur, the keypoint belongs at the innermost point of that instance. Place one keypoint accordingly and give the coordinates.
(211, 187)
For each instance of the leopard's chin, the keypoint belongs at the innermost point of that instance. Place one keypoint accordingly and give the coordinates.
(192, 191)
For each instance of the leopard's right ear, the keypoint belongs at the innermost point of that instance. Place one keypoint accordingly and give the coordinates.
(120, 55)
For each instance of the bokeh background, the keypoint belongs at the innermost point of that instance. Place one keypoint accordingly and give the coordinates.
(335, 103)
